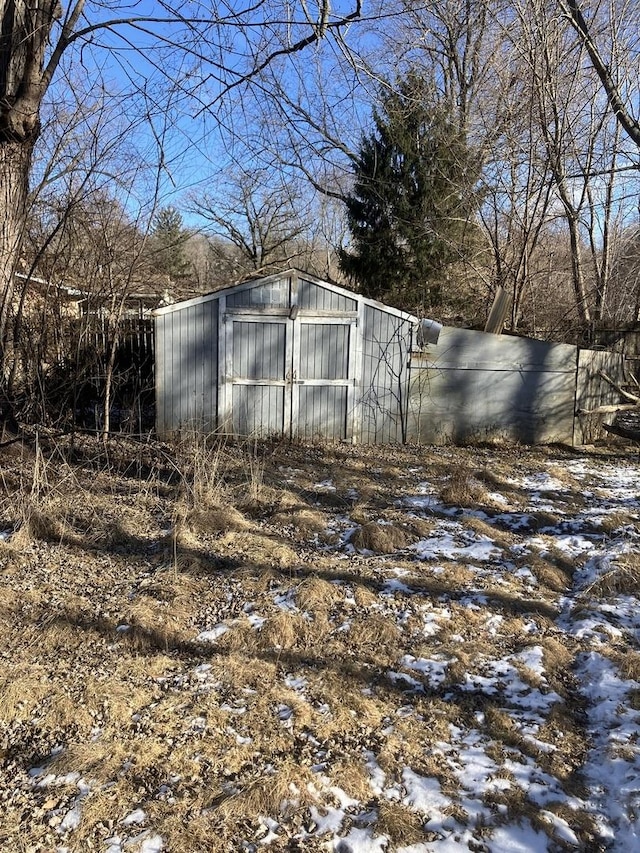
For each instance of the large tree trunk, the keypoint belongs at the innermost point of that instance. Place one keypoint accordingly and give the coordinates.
(15, 163)
(25, 29)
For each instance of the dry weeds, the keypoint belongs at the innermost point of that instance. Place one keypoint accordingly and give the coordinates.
(103, 674)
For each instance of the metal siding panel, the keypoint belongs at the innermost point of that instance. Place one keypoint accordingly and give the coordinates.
(324, 351)
(160, 382)
(209, 366)
(385, 344)
(171, 385)
(478, 386)
(198, 358)
(274, 294)
(214, 355)
(185, 368)
(258, 409)
(323, 412)
(258, 350)
(312, 297)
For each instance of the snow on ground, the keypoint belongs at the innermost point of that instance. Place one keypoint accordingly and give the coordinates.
(612, 767)
(502, 751)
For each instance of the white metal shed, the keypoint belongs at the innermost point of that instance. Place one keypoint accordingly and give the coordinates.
(286, 354)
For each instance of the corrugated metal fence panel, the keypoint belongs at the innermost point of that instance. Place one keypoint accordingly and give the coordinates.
(187, 367)
(477, 386)
(271, 294)
(313, 297)
(384, 393)
(324, 351)
(593, 390)
(258, 350)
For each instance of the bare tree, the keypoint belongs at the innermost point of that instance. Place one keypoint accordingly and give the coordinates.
(202, 50)
(616, 91)
(263, 221)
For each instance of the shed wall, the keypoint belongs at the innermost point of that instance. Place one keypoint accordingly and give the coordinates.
(384, 390)
(477, 386)
(187, 368)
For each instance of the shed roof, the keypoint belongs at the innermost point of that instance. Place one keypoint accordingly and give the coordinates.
(256, 282)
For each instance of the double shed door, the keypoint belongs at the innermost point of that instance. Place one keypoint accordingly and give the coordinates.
(292, 377)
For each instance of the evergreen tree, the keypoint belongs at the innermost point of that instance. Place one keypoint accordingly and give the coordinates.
(412, 206)
(167, 244)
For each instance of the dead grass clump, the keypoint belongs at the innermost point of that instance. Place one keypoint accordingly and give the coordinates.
(202, 464)
(582, 822)
(59, 708)
(364, 597)
(267, 500)
(399, 823)
(115, 700)
(95, 760)
(187, 828)
(563, 729)
(305, 519)
(460, 663)
(216, 519)
(175, 588)
(153, 626)
(351, 711)
(257, 580)
(10, 603)
(409, 745)
(464, 489)
(258, 550)
(437, 716)
(421, 528)
(61, 636)
(41, 523)
(21, 692)
(287, 789)
(240, 637)
(353, 778)
(555, 577)
(622, 579)
(629, 664)
(501, 727)
(379, 538)
(376, 633)
(451, 580)
(614, 522)
(558, 659)
(284, 630)
(315, 593)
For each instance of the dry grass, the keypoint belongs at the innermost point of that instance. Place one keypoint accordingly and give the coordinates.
(259, 550)
(622, 579)
(379, 538)
(399, 823)
(464, 489)
(103, 675)
(315, 593)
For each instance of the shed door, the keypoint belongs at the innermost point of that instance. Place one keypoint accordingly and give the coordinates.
(258, 352)
(291, 377)
(323, 378)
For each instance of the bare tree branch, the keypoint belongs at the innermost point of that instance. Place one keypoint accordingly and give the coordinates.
(572, 11)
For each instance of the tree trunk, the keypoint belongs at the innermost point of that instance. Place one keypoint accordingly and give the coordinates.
(577, 271)
(15, 163)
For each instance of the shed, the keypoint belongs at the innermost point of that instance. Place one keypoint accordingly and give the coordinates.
(285, 354)
(292, 355)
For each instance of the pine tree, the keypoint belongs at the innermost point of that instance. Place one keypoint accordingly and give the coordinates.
(167, 244)
(411, 209)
